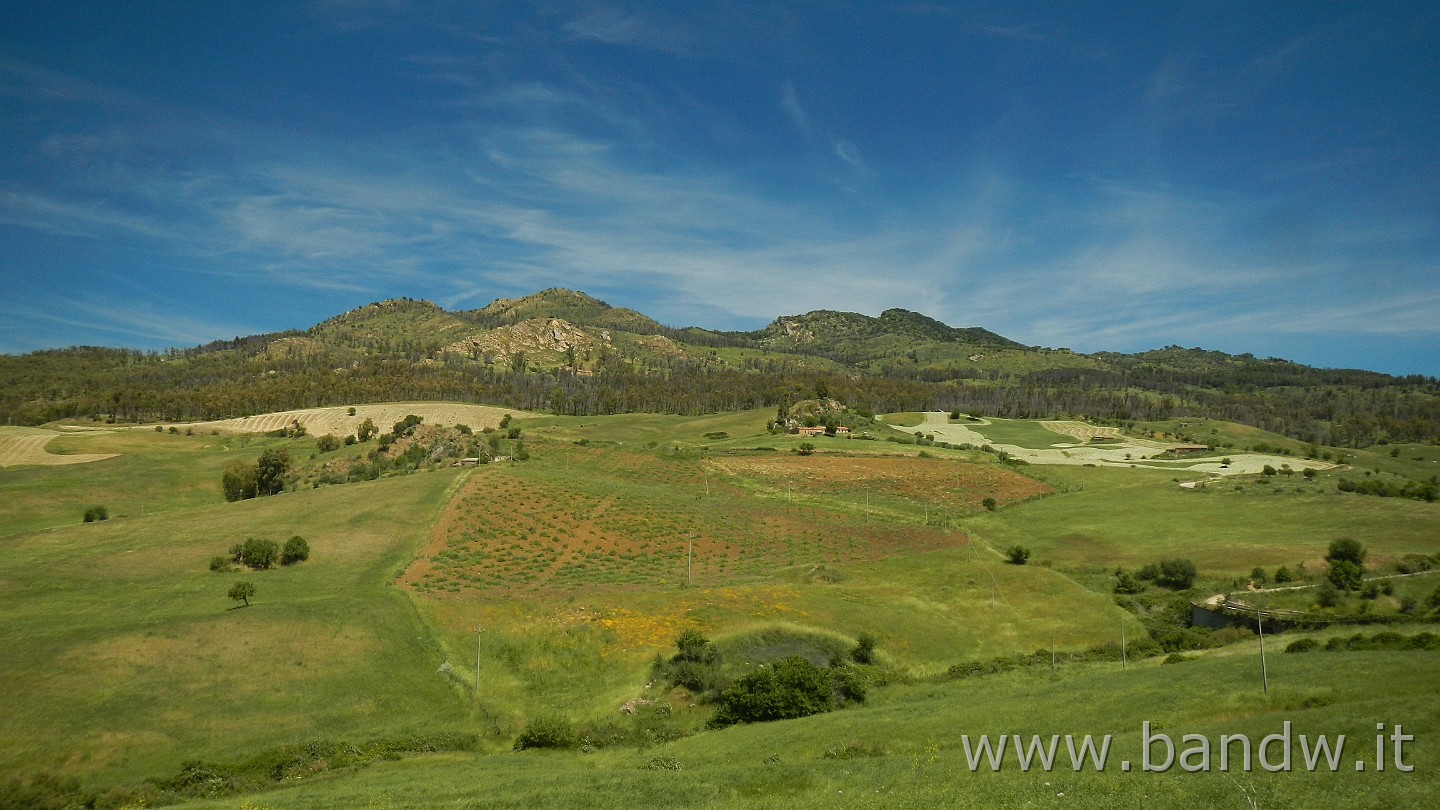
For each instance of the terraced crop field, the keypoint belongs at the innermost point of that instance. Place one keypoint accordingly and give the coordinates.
(620, 519)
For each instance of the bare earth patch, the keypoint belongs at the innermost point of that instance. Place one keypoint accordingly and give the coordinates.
(20, 445)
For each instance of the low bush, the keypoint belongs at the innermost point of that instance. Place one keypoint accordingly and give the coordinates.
(548, 731)
(791, 687)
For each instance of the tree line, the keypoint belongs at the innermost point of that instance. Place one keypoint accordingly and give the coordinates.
(1351, 409)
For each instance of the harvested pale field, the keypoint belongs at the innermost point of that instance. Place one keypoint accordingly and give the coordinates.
(19, 445)
(337, 421)
(1125, 451)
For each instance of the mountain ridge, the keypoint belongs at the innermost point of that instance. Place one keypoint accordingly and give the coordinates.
(567, 352)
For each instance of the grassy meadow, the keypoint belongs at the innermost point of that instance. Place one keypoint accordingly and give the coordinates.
(125, 657)
(564, 576)
(905, 747)
(1120, 517)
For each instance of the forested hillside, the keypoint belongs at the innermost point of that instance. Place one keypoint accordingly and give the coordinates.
(566, 352)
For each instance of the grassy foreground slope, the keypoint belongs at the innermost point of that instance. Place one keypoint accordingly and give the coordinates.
(906, 749)
(123, 656)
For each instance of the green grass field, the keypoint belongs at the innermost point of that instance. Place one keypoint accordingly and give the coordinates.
(1019, 432)
(1132, 517)
(124, 655)
(905, 747)
(566, 576)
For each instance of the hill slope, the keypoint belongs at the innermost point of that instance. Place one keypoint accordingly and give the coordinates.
(567, 352)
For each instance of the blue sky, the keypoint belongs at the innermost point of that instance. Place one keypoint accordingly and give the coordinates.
(1249, 177)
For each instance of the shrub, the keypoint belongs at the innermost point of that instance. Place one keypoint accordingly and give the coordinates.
(255, 553)
(1178, 574)
(989, 504)
(95, 513)
(1302, 645)
(220, 563)
(864, 652)
(326, 443)
(1017, 555)
(548, 731)
(791, 687)
(1128, 583)
(1283, 575)
(406, 426)
(695, 665)
(296, 550)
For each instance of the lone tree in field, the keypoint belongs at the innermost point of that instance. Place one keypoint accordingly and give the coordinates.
(242, 591)
(1017, 555)
(1347, 563)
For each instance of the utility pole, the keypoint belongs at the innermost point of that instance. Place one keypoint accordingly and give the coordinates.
(1264, 676)
(477, 665)
(1052, 651)
(689, 555)
(1122, 646)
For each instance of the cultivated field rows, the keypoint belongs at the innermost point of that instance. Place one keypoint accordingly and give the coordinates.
(20, 445)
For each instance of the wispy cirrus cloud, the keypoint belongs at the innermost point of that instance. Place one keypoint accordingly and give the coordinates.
(613, 26)
(846, 151)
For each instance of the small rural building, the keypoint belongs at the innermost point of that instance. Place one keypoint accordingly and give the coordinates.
(1187, 450)
(840, 430)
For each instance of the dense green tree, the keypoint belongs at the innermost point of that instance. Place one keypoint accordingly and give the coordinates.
(1017, 555)
(270, 471)
(1347, 563)
(366, 431)
(296, 550)
(256, 553)
(240, 481)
